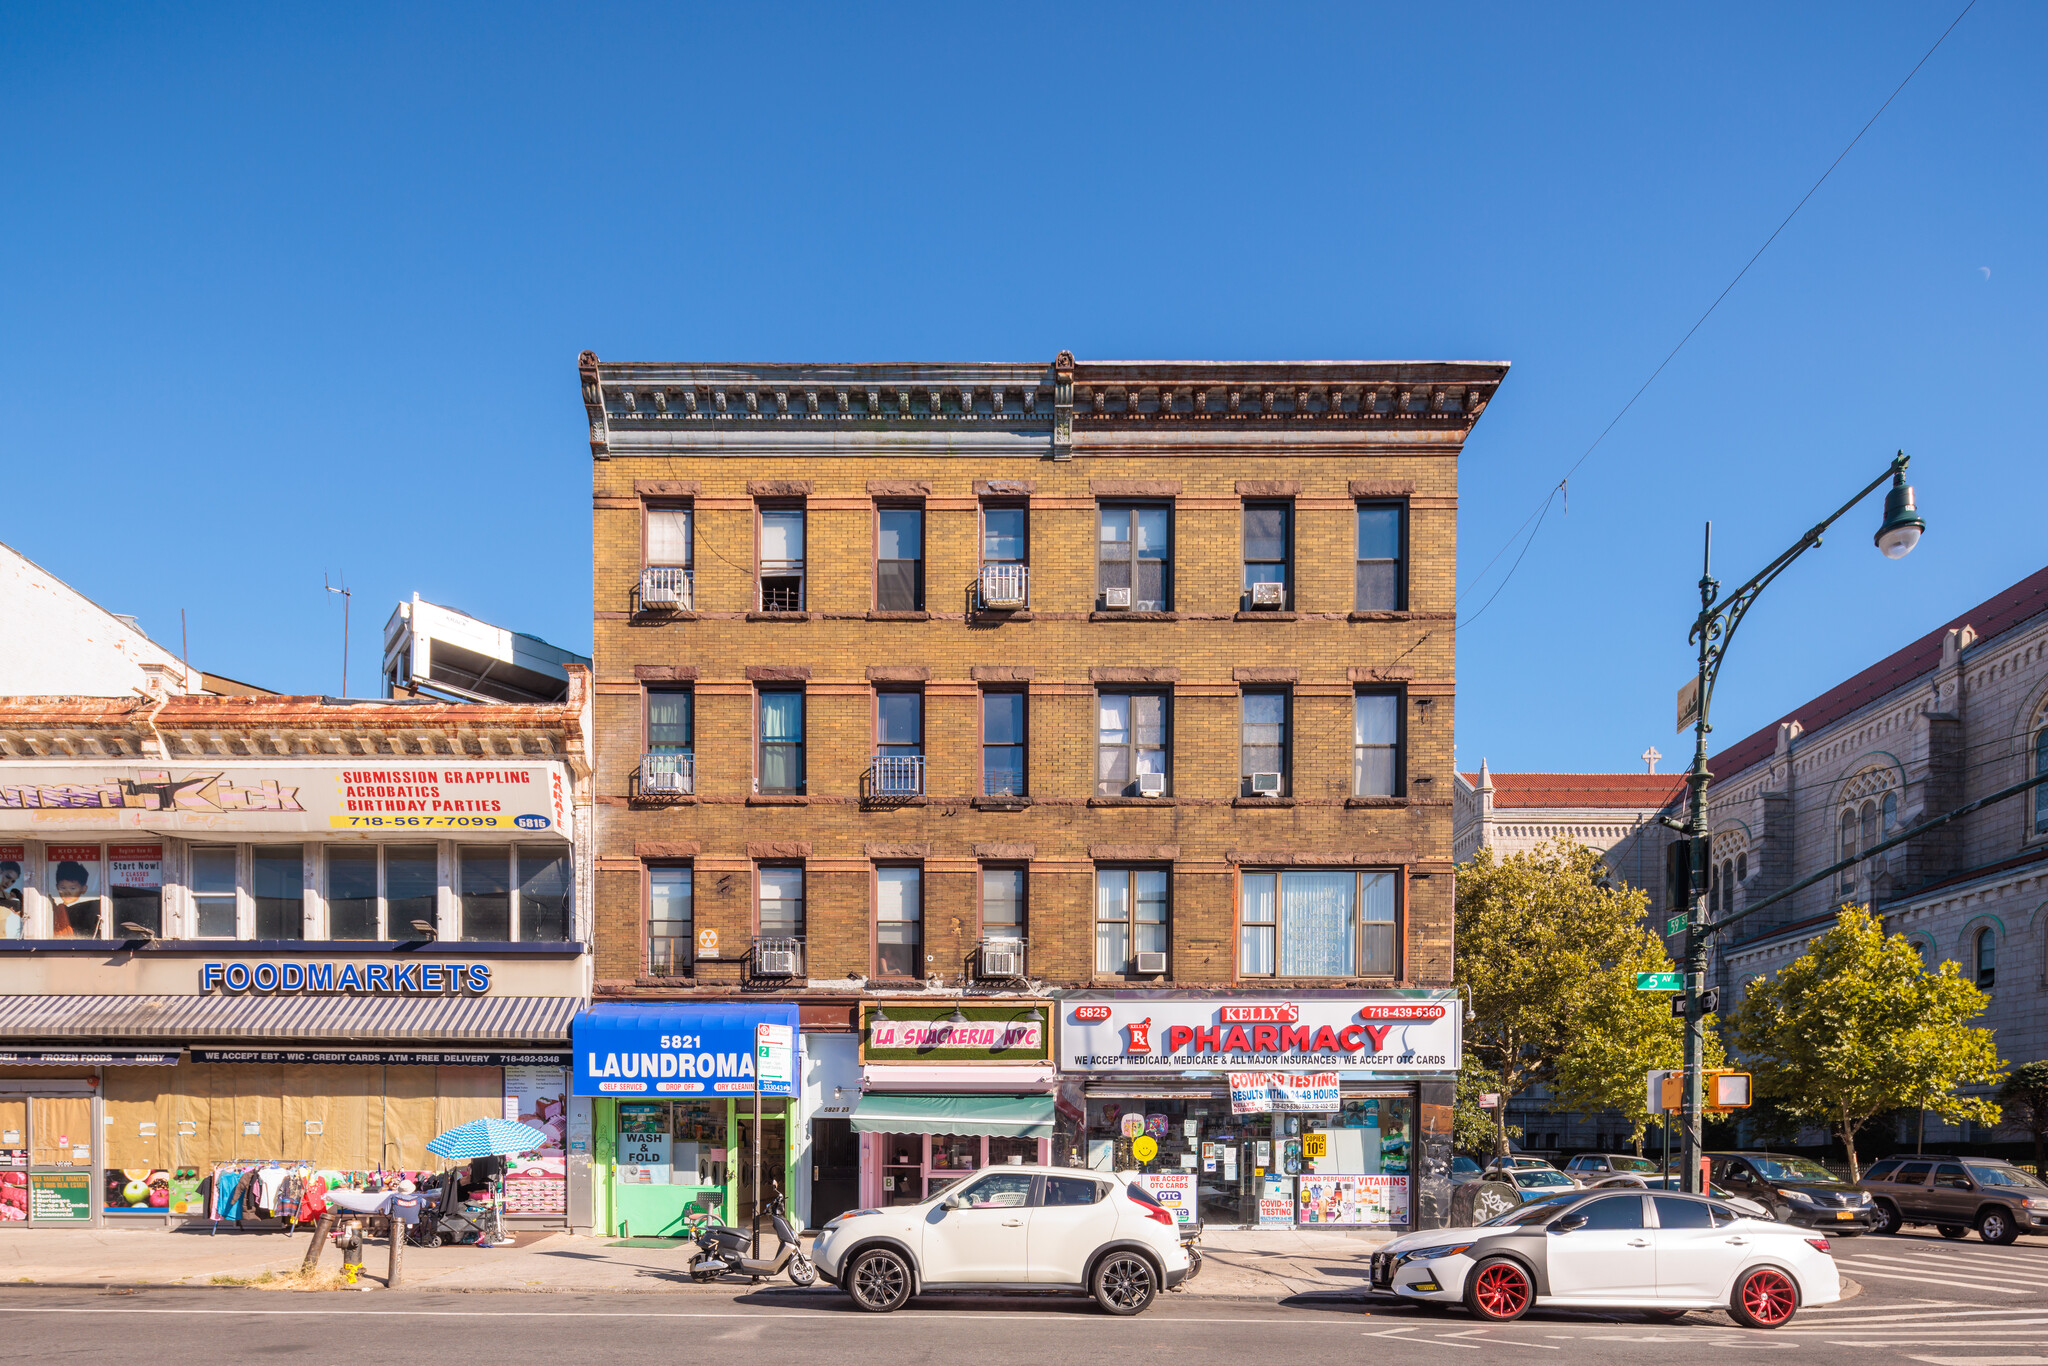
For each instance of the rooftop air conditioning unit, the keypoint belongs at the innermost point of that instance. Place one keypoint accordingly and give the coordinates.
(1269, 595)
(1265, 784)
(1116, 598)
(1151, 784)
(777, 962)
(1002, 960)
(1151, 965)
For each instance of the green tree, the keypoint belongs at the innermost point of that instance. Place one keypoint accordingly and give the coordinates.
(1472, 1128)
(2024, 1098)
(1624, 1034)
(1548, 950)
(1858, 1026)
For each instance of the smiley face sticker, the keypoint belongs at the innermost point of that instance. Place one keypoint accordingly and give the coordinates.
(1144, 1147)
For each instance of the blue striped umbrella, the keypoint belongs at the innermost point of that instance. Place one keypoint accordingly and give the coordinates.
(487, 1138)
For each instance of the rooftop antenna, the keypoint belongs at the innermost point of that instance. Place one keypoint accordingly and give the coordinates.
(184, 654)
(345, 595)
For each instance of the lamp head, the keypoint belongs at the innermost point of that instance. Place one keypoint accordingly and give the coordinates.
(426, 929)
(1902, 524)
(142, 932)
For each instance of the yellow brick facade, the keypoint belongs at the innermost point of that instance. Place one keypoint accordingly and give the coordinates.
(723, 441)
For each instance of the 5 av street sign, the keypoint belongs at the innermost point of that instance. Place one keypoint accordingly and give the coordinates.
(1660, 981)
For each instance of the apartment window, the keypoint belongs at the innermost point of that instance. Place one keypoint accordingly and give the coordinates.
(543, 893)
(782, 559)
(381, 891)
(485, 889)
(899, 559)
(213, 892)
(278, 887)
(1002, 744)
(1268, 552)
(1130, 917)
(899, 922)
(1316, 923)
(782, 741)
(1987, 959)
(899, 744)
(1376, 745)
(1131, 747)
(1002, 904)
(669, 540)
(1262, 745)
(671, 933)
(671, 720)
(782, 903)
(1003, 535)
(1135, 555)
(1381, 583)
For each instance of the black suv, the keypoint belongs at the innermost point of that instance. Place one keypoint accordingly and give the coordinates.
(1797, 1190)
(1957, 1194)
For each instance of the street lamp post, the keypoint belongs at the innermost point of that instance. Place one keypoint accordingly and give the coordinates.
(1711, 631)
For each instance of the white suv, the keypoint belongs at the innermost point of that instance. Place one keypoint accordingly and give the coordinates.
(1008, 1229)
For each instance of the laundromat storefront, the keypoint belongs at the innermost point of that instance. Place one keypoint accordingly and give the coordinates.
(1246, 1110)
(672, 1113)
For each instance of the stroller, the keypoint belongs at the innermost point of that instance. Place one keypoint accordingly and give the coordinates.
(449, 1218)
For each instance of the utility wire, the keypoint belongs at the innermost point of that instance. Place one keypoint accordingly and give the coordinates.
(1673, 355)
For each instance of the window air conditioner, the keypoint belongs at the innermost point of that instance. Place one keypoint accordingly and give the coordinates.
(1001, 960)
(1151, 965)
(1269, 595)
(1151, 784)
(1115, 598)
(1003, 585)
(1265, 784)
(778, 962)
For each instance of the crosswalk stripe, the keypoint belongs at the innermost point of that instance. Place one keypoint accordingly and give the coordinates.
(1897, 1314)
(1922, 1277)
(1948, 1272)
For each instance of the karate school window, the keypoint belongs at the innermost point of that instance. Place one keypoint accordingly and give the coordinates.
(379, 891)
(513, 893)
(1318, 923)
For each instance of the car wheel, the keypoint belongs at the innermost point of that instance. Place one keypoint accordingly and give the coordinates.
(1763, 1298)
(1125, 1284)
(1887, 1218)
(1665, 1315)
(1953, 1230)
(879, 1281)
(1499, 1290)
(1996, 1226)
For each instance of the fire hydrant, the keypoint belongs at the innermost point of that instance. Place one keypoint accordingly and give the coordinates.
(351, 1239)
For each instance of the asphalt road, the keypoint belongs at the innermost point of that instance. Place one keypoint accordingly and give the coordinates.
(1924, 1300)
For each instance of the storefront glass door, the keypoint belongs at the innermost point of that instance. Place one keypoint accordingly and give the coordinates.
(774, 1154)
(60, 1160)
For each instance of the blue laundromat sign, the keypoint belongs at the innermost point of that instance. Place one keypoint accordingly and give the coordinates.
(673, 1051)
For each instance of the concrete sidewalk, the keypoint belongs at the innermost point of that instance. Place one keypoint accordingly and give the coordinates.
(1259, 1264)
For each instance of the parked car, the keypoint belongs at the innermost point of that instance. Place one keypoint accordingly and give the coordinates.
(1957, 1194)
(1500, 1189)
(1010, 1229)
(1590, 1167)
(1464, 1169)
(1796, 1190)
(1629, 1180)
(1518, 1162)
(1660, 1254)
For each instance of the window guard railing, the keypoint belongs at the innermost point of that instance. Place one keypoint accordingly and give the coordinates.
(1002, 782)
(777, 957)
(1005, 585)
(897, 775)
(668, 586)
(786, 597)
(668, 773)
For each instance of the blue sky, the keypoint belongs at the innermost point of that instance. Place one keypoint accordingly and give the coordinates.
(285, 291)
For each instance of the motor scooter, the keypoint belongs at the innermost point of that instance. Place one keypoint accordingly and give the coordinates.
(722, 1250)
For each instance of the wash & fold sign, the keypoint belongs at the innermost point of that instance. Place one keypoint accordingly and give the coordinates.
(1387, 1034)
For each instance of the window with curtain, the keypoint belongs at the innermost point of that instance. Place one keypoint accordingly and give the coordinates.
(1380, 582)
(1262, 741)
(668, 536)
(671, 932)
(899, 560)
(1375, 745)
(782, 903)
(278, 886)
(1268, 549)
(671, 720)
(782, 741)
(782, 559)
(1002, 903)
(1134, 551)
(1002, 744)
(899, 922)
(1317, 923)
(1130, 917)
(543, 893)
(1130, 740)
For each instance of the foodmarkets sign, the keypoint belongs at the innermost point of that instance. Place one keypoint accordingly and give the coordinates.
(513, 799)
(1383, 1032)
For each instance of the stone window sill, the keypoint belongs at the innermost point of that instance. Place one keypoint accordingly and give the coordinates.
(899, 616)
(782, 616)
(1381, 616)
(895, 984)
(1271, 614)
(1000, 803)
(883, 802)
(1132, 801)
(654, 799)
(1134, 616)
(773, 799)
(687, 983)
(1376, 802)
(663, 614)
(1263, 801)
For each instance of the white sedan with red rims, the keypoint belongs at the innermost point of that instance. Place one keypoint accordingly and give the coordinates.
(1663, 1255)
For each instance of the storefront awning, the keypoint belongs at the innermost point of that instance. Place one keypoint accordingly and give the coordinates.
(340, 1019)
(997, 1116)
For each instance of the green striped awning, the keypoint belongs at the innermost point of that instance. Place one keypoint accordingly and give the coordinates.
(997, 1116)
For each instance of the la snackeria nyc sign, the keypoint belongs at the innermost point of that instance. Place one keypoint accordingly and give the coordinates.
(1384, 1034)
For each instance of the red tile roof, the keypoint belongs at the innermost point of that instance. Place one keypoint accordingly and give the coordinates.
(1638, 790)
(2024, 600)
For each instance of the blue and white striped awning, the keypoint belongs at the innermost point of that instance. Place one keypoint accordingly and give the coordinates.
(338, 1019)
